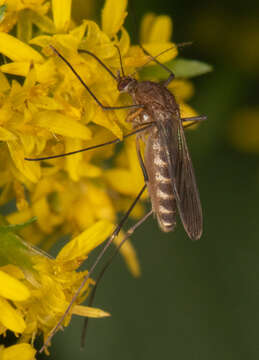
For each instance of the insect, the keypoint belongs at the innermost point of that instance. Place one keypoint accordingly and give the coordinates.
(166, 164)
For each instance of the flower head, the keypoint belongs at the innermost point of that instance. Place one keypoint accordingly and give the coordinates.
(44, 111)
(35, 289)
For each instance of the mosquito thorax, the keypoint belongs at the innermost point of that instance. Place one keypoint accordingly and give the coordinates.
(126, 84)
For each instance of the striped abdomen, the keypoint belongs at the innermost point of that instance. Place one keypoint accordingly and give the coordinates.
(160, 186)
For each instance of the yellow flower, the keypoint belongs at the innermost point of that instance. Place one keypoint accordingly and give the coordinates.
(158, 30)
(23, 13)
(51, 113)
(155, 35)
(20, 351)
(45, 110)
(47, 114)
(35, 290)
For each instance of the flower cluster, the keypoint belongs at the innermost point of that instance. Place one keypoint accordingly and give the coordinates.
(35, 289)
(45, 110)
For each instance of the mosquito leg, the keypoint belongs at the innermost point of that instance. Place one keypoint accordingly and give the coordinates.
(183, 44)
(92, 296)
(193, 120)
(99, 257)
(132, 115)
(172, 76)
(159, 63)
(144, 170)
(99, 61)
(115, 141)
(89, 90)
(167, 81)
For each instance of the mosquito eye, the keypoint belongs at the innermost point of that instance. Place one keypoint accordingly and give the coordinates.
(122, 85)
(126, 84)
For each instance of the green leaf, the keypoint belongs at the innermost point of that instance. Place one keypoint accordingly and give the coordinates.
(17, 227)
(182, 68)
(13, 250)
(190, 68)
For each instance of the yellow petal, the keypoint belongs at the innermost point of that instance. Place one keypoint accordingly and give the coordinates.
(145, 27)
(124, 43)
(46, 220)
(28, 142)
(48, 103)
(82, 213)
(84, 243)
(123, 205)
(13, 271)
(19, 217)
(20, 68)
(20, 197)
(31, 171)
(122, 181)
(63, 125)
(135, 57)
(6, 135)
(97, 41)
(9, 20)
(16, 50)
(41, 40)
(129, 254)
(133, 161)
(187, 111)
(89, 170)
(113, 15)
(10, 317)
(73, 162)
(182, 89)
(161, 29)
(127, 181)
(19, 351)
(4, 83)
(24, 27)
(43, 22)
(67, 41)
(101, 203)
(61, 10)
(79, 31)
(106, 119)
(88, 311)
(12, 289)
(156, 48)
(46, 72)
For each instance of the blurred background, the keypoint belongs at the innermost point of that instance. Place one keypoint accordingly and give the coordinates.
(196, 300)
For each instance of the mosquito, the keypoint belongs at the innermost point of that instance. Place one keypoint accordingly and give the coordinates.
(166, 164)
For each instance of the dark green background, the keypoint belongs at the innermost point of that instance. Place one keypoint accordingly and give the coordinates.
(194, 300)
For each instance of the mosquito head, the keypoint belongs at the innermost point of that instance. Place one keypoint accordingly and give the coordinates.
(126, 84)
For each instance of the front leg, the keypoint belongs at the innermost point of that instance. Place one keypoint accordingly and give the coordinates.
(141, 161)
(133, 114)
(169, 80)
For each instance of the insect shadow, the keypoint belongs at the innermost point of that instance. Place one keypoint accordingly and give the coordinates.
(166, 163)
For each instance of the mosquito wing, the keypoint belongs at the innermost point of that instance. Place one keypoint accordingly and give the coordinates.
(184, 183)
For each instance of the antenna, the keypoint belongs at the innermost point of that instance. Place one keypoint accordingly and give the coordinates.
(122, 70)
